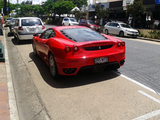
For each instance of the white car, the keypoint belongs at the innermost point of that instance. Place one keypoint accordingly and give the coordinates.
(25, 27)
(120, 29)
(69, 21)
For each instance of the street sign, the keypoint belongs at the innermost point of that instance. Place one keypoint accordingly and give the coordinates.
(157, 1)
(7, 8)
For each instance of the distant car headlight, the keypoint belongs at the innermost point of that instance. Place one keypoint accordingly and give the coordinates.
(92, 26)
(128, 31)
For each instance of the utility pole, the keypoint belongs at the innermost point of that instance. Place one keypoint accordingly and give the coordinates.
(5, 5)
(8, 8)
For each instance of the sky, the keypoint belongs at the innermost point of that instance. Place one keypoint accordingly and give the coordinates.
(34, 1)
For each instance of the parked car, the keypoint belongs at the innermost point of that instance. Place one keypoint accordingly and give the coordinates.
(90, 24)
(121, 29)
(69, 21)
(25, 27)
(70, 49)
(7, 21)
(11, 24)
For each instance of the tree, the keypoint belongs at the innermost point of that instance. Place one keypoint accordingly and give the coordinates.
(79, 3)
(100, 11)
(136, 10)
(63, 7)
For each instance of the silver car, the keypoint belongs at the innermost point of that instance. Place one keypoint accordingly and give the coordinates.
(120, 29)
(25, 27)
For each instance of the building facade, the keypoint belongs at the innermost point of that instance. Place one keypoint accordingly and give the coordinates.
(117, 9)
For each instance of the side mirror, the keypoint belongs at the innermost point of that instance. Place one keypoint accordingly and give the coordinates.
(118, 26)
(36, 34)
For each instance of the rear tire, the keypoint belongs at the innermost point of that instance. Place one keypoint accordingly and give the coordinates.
(53, 66)
(17, 40)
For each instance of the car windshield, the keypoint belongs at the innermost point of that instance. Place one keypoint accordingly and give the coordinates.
(125, 26)
(73, 20)
(90, 22)
(82, 34)
(31, 22)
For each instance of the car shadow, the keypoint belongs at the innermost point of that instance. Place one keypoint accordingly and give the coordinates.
(82, 78)
(22, 42)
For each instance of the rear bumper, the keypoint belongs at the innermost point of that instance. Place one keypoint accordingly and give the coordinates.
(78, 64)
(25, 36)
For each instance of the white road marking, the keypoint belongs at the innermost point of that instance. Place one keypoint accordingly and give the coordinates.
(149, 96)
(148, 115)
(151, 114)
(134, 81)
(11, 95)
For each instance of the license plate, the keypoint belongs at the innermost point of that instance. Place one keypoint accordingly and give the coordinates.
(101, 60)
(32, 29)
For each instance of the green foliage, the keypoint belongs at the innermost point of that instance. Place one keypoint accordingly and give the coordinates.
(136, 10)
(141, 35)
(154, 34)
(63, 7)
(79, 3)
(100, 11)
(145, 36)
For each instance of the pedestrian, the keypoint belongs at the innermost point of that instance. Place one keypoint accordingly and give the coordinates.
(1, 24)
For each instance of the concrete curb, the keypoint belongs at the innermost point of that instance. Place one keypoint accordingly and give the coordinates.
(11, 93)
(149, 39)
(28, 103)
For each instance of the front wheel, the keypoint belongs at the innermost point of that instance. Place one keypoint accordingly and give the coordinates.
(121, 33)
(106, 32)
(53, 66)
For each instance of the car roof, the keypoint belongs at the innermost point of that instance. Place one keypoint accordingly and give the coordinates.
(67, 27)
(117, 22)
(28, 18)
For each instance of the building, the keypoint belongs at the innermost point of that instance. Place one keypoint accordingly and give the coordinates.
(117, 9)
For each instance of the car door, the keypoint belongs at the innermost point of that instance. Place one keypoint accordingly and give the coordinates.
(110, 27)
(115, 28)
(42, 45)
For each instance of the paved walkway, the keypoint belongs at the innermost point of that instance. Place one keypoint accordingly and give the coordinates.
(4, 105)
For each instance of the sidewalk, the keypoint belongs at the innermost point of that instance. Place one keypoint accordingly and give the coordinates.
(4, 105)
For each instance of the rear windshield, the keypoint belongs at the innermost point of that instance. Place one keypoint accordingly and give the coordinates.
(82, 34)
(8, 18)
(73, 20)
(30, 22)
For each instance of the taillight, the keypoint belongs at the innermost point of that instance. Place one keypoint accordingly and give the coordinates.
(75, 48)
(20, 28)
(43, 27)
(67, 49)
(121, 43)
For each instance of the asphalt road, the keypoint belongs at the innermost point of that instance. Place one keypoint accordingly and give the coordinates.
(86, 96)
(142, 62)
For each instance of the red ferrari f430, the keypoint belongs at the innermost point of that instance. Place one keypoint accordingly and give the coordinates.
(69, 49)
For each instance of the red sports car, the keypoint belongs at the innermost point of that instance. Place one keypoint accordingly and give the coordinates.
(69, 49)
